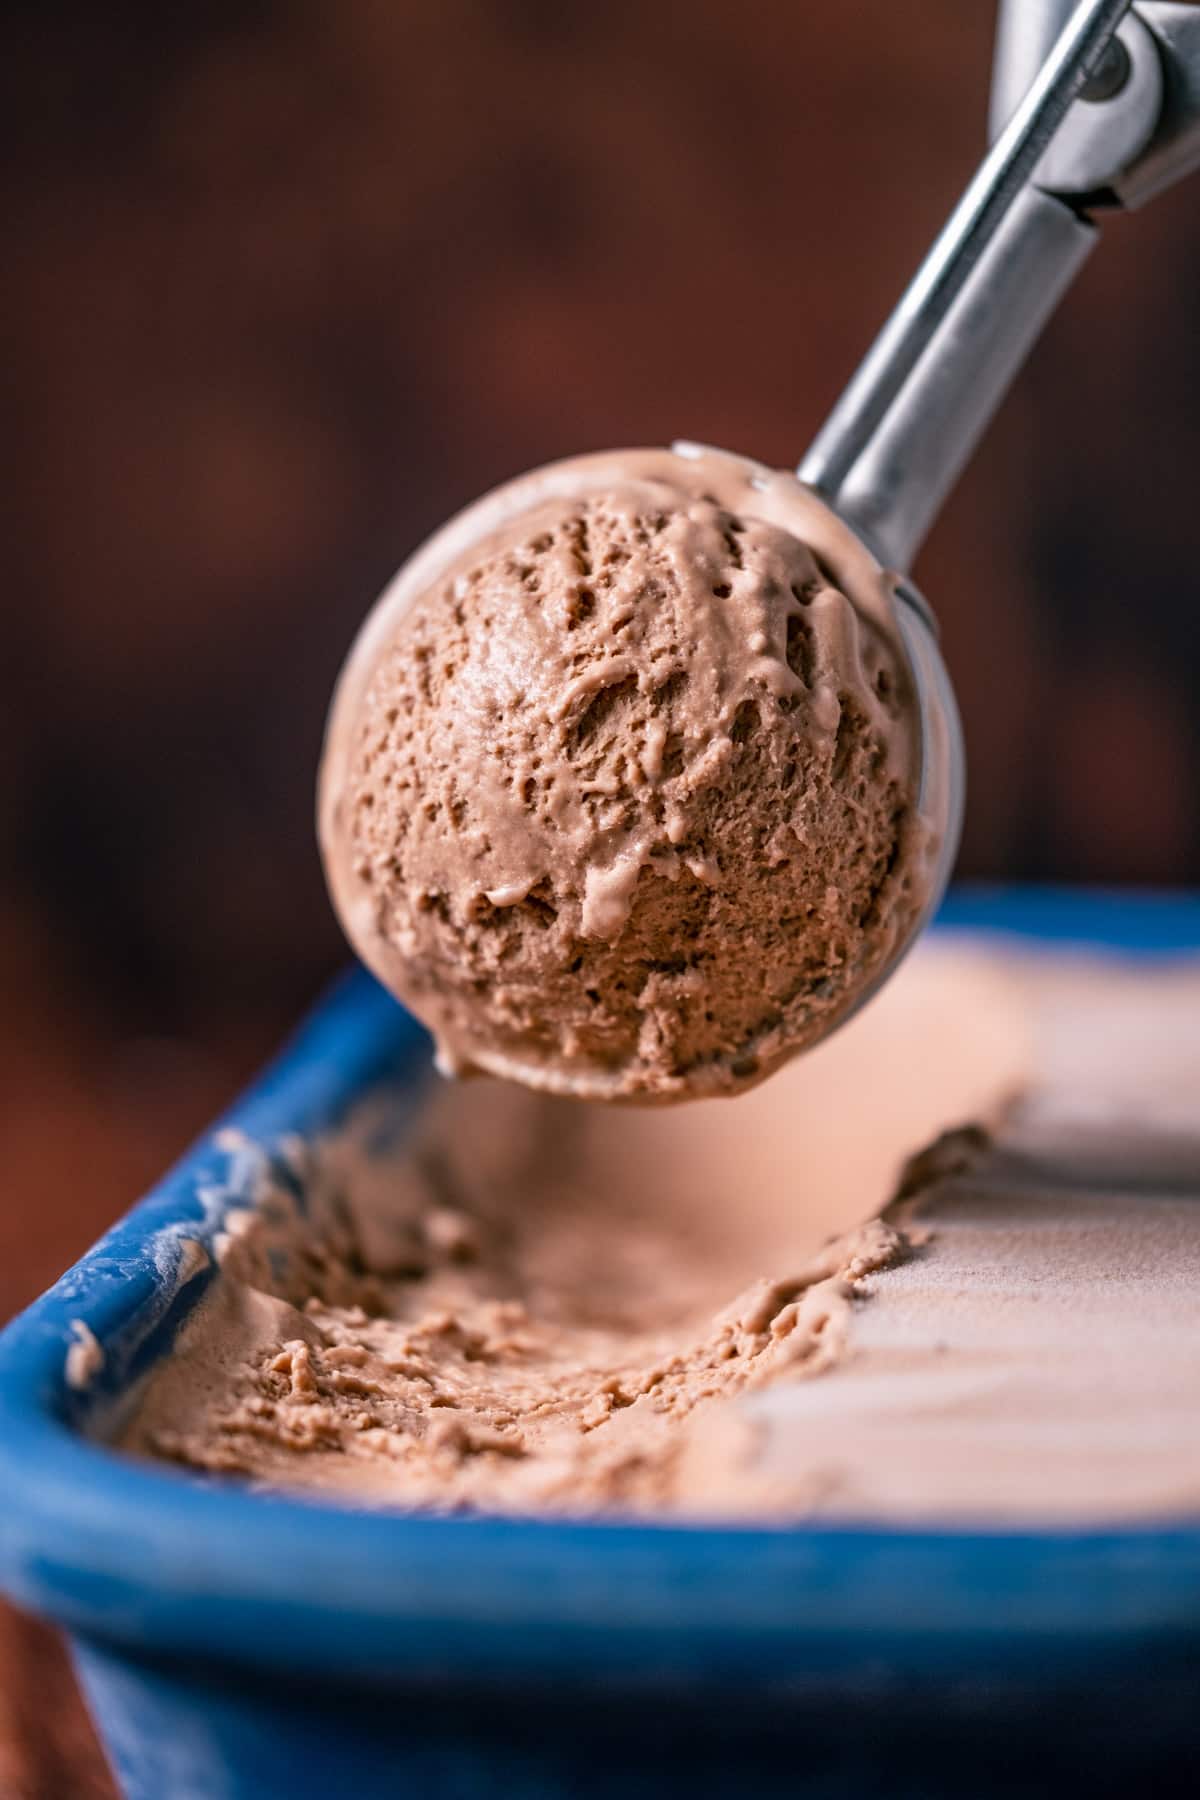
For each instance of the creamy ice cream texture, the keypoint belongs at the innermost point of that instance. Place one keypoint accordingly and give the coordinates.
(770, 1310)
(620, 784)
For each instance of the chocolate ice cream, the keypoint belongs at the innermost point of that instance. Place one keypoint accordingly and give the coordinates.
(519, 1304)
(620, 784)
(528, 1303)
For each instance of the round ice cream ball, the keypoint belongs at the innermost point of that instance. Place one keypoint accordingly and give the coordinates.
(619, 791)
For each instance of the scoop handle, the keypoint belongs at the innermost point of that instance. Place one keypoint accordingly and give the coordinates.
(897, 439)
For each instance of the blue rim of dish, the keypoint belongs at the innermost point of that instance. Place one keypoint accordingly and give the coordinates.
(167, 1564)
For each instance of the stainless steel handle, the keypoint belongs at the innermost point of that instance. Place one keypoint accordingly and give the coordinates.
(898, 438)
(930, 339)
(893, 490)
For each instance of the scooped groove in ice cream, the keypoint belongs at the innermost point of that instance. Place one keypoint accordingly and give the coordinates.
(620, 783)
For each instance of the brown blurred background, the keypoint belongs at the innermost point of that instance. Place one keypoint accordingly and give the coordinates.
(288, 280)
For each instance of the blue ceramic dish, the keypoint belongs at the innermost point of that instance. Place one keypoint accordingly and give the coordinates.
(234, 1645)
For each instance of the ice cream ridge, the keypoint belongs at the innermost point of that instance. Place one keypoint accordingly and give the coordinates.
(620, 792)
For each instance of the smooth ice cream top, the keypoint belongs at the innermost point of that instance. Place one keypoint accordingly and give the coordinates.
(620, 784)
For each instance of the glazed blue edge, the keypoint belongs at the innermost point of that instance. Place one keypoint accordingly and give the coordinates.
(167, 1564)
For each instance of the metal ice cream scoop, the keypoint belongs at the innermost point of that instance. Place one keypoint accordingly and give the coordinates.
(1095, 106)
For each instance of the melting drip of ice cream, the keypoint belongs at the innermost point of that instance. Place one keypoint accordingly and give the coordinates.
(619, 792)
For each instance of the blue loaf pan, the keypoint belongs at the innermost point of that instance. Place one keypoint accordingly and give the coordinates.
(233, 1644)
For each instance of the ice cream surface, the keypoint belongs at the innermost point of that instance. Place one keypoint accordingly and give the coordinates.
(498, 1300)
(620, 784)
(756, 1311)
(536, 1305)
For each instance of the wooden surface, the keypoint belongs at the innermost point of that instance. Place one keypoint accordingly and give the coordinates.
(48, 1749)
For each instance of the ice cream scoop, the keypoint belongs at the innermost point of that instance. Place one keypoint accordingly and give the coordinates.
(623, 785)
(645, 771)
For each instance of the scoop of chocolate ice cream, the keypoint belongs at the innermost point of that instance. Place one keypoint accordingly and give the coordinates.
(619, 788)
